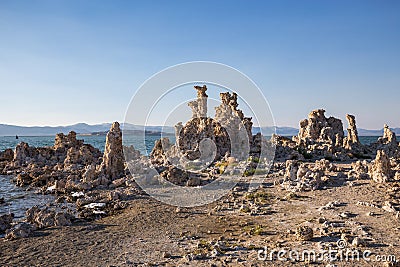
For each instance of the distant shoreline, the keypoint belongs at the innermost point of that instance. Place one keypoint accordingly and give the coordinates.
(91, 134)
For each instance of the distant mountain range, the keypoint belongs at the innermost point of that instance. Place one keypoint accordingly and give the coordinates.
(83, 128)
(80, 128)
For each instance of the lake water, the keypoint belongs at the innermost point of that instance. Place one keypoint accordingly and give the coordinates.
(366, 140)
(98, 141)
(17, 199)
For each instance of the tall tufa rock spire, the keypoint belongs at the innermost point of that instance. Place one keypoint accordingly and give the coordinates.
(352, 140)
(113, 159)
(199, 106)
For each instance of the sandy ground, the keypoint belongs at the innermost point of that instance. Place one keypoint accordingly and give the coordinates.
(149, 233)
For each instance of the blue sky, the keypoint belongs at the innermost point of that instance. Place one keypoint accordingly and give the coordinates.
(63, 62)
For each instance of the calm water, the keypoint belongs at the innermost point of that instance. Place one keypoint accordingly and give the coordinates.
(366, 140)
(17, 199)
(97, 141)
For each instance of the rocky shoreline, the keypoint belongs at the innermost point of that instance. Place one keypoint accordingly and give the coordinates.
(321, 185)
(76, 173)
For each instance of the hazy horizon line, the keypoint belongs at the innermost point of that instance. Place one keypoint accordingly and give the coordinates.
(158, 125)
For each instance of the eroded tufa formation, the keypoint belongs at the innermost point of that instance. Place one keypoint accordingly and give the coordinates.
(199, 106)
(64, 142)
(69, 164)
(319, 136)
(380, 171)
(112, 165)
(351, 141)
(318, 128)
(388, 143)
(299, 177)
(389, 137)
(229, 127)
(203, 141)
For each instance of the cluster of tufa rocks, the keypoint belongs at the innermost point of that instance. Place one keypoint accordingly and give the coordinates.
(322, 137)
(319, 129)
(77, 172)
(43, 218)
(216, 141)
(68, 165)
(36, 218)
(203, 141)
(225, 130)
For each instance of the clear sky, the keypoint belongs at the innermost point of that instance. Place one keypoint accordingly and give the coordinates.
(64, 62)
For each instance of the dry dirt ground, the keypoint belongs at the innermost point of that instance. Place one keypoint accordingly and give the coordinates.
(225, 233)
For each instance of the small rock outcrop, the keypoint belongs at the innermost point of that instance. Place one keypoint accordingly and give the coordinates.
(5, 222)
(359, 170)
(292, 166)
(43, 218)
(380, 170)
(388, 143)
(285, 148)
(389, 137)
(20, 230)
(304, 233)
(175, 175)
(159, 154)
(322, 137)
(24, 154)
(299, 177)
(6, 155)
